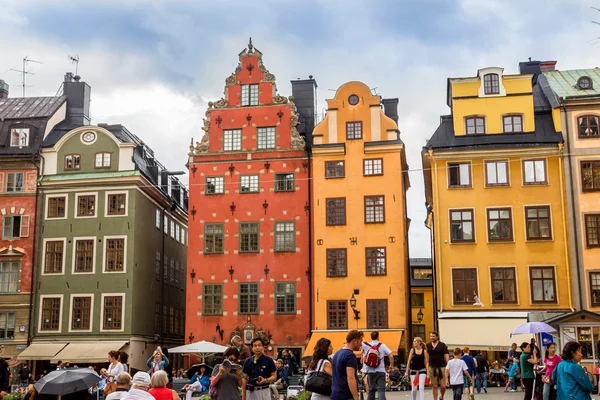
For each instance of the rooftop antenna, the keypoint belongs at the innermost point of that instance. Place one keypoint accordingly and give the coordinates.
(24, 71)
(374, 91)
(75, 60)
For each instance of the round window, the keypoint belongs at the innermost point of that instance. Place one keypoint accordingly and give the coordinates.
(89, 137)
(353, 99)
(584, 83)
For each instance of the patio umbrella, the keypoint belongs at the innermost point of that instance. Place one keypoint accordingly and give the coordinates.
(195, 368)
(533, 328)
(66, 381)
(202, 348)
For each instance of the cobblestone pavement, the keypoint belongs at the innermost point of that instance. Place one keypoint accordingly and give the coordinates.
(493, 394)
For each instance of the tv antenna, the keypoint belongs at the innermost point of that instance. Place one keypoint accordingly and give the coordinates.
(24, 71)
(374, 91)
(75, 60)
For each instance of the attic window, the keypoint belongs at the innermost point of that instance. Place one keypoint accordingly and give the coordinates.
(19, 137)
(491, 84)
(585, 83)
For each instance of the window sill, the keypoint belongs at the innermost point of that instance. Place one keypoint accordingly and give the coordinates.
(284, 251)
(591, 190)
(462, 241)
(256, 192)
(535, 183)
(367, 175)
(498, 185)
(249, 252)
(286, 313)
(374, 223)
(212, 314)
(284, 191)
(500, 241)
(536, 240)
(334, 177)
(213, 252)
(337, 276)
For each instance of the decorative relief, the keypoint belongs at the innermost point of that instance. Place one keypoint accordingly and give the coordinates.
(279, 99)
(201, 146)
(297, 140)
(30, 180)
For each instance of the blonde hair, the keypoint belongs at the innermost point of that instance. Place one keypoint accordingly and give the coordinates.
(159, 379)
(419, 341)
(466, 350)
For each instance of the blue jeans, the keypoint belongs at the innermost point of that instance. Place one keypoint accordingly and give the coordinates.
(376, 384)
(513, 383)
(481, 376)
(457, 390)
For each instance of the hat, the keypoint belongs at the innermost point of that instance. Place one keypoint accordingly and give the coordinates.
(141, 378)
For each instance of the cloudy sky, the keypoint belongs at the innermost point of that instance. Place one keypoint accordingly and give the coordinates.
(153, 65)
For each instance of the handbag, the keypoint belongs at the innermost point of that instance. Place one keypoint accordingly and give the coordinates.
(110, 387)
(319, 382)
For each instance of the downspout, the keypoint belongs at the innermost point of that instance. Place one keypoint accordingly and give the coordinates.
(573, 205)
(310, 246)
(162, 280)
(436, 231)
(564, 223)
(433, 265)
(407, 296)
(34, 258)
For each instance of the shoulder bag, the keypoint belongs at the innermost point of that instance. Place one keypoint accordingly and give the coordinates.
(319, 382)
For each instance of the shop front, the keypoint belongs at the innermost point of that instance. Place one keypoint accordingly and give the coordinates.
(583, 327)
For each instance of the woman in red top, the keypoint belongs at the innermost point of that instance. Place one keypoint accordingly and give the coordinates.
(159, 390)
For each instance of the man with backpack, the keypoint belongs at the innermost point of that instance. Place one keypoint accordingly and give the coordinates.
(373, 359)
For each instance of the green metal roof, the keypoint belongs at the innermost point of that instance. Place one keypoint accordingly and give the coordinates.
(92, 175)
(564, 83)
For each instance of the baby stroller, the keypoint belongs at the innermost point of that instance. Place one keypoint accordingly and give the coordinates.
(395, 380)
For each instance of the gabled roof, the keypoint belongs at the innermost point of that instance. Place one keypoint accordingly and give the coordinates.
(564, 83)
(30, 107)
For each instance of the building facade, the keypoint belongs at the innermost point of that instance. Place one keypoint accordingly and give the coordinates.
(422, 303)
(248, 258)
(359, 181)
(494, 184)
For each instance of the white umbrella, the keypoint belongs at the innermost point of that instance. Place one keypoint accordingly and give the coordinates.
(202, 348)
(532, 328)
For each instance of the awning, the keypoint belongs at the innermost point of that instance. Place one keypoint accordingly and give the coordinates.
(41, 351)
(87, 352)
(460, 332)
(391, 338)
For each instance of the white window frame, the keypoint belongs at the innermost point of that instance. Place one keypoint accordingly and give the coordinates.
(166, 224)
(94, 241)
(15, 329)
(20, 226)
(524, 182)
(102, 313)
(77, 196)
(55, 195)
(235, 142)
(158, 218)
(60, 315)
(268, 136)
(14, 191)
(172, 232)
(177, 233)
(103, 160)
(183, 236)
(496, 162)
(20, 262)
(21, 132)
(104, 240)
(91, 296)
(64, 260)
(108, 193)
(248, 93)
(222, 185)
(250, 183)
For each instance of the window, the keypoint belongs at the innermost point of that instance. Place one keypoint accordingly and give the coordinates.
(19, 137)
(171, 320)
(496, 173)
(285, 236)
(102, 160)
(285, 298)
(418, 330)
(248, 298)
(422, 273)
(249, 184)
(172, 272)
(165, 270)
(595, 288)
(15, 226)
(337, 260)
(373, 166)
(82, 309)
(585, 83)
(213, 238)
(459, 175)
(232, 140)
(334, 169)
(336, 211)
(588, 126)
(265, 138)
(212, 299)
(84, 256)
(464, 284)
(534, 172)
(53, 260)
(462, 226)
(7, 326)
(172, 229)
(10, 276)
(177, 239)
(590, 176)
(116, 204)
(337, 314)
(504, 286)
(50, 314)
(215, 185)
(284, 183)
(86, 206)
(14, 181)
(374, 209)
(56, 207)
(157, 317)
(377, 314)
(513, 123)
(499, 224)
(249, 95)
(475, 125)
(113, 313)
(417, 300)
(115, 255)
(376, 261)
(157, 266)
(72, 162)
(592, 230)
(157, 219)
(249, 234)
(543, 284)
(538, 222)
(354, 130)
(166, 225)
(491, 84)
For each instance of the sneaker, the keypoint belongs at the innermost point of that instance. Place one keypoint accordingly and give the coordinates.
(512, 390)
(485, 390)
(472, 397)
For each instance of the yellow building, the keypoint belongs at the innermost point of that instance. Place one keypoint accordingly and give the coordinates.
(494, 183)
(421, 297)
(360, 277)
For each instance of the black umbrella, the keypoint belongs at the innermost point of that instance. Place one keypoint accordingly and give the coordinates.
(66, 381)
(195, 368)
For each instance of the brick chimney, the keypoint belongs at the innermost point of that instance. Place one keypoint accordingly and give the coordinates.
(3, 90)
(547, 66)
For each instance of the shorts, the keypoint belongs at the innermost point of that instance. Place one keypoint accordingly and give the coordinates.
(468, 382)
(436, 376)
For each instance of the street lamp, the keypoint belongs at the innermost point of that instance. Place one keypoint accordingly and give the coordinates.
(356, 312)
(420, 315)
(353, 301)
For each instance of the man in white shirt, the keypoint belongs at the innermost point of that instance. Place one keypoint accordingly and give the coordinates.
(376, 371)
(123, 380)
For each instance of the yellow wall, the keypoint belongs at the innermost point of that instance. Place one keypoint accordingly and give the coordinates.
(427, 310)
(354, 186)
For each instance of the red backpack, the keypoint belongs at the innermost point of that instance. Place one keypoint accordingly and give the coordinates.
(372, 358)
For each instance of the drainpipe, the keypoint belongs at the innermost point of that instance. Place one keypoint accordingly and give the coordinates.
(407, 296)
(436, 231)
(433, 265)
(162, 280)
(310, 247)
(34, 258)
(576, 236)
(564, 223)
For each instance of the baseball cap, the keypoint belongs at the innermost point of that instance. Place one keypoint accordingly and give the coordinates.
(141, 378)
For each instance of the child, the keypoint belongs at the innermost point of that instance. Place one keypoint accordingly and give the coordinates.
(512, 377)
(454, 374)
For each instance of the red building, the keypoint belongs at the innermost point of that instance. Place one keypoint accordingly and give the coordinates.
(248, 255)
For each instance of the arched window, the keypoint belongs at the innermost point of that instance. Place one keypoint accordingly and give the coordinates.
(588, 126)
(491, 84)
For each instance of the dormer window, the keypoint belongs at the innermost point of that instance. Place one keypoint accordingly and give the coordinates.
(585, 83)
(475, 125)
(19, 137)
(249, 95)
(491, 84)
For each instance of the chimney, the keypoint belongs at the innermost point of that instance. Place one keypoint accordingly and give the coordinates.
(3, 90)
(390, 108)
(547, 66)
(78, 99)
(305, 98)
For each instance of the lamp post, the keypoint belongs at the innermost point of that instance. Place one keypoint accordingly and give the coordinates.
(356, 312)
(420, 315)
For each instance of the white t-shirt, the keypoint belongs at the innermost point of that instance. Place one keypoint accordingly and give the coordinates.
(383, 351)
(456, 368)
(115, 371)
